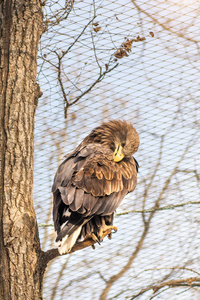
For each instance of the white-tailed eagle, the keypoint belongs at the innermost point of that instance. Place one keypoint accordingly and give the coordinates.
(92, 181)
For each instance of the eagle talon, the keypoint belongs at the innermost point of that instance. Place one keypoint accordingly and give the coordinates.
(108, 229)
(100, 239)
(95, 238)
(110, 236)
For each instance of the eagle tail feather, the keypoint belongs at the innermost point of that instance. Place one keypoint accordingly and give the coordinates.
(66, 244)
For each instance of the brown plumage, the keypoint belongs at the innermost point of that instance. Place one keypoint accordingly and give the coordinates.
(92, 181)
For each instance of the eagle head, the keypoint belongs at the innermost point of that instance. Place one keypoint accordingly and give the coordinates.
(119, 136)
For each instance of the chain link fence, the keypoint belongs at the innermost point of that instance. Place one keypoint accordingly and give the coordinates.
(138, 61)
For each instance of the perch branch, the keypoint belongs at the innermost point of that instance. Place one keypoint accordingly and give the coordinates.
(47, 256)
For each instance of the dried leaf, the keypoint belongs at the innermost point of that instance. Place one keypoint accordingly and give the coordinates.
(116, 17)
(151, 33)
(127, 45)
(96, 29)
(120, 53)
(139, 39)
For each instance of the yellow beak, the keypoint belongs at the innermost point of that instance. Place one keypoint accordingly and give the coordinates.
(118, 155)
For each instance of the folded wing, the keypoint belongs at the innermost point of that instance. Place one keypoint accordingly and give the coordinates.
(89, 185)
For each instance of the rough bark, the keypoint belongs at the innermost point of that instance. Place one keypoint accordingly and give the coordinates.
(20, 30)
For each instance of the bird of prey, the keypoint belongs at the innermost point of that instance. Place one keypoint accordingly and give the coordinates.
(92, 181)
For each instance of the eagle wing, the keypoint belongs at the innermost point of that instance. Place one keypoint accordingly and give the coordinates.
(89, 183)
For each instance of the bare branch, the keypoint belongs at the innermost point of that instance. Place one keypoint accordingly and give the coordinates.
(47, 256)
(102, 74)
(76, 40)
(66, 103)
(190, 282)
(179, 34)
(100, 77)
(59, 15)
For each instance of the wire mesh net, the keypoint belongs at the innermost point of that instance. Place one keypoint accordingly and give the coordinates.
(138, 61)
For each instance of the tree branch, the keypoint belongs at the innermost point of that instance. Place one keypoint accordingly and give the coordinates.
(190, 282)
(163, 283)
(102, 74)
(58, 16)
(47, 256)
(179, 34)
(100, 77)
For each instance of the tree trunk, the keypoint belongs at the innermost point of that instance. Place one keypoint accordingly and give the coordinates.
(20, 30)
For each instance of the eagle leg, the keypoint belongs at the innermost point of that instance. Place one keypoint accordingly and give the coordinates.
(106, 229)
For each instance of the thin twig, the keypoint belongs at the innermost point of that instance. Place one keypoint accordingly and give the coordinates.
(178, 33)
(76, 40)
(100, 77)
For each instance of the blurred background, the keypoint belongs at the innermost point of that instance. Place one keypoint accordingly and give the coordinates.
(138, 61)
